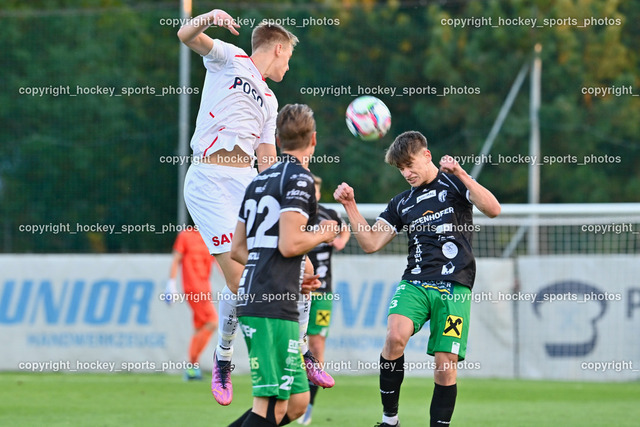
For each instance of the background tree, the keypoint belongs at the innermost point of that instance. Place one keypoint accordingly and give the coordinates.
(95, 159)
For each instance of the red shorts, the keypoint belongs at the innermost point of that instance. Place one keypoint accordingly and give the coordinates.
(203, 309)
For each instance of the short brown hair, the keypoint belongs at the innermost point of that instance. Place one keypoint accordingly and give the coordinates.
(294, 126)
(267, 33)
(404, 147)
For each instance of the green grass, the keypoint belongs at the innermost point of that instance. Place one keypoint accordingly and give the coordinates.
(155, 400)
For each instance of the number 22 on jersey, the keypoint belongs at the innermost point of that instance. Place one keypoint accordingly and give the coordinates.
(267, 210)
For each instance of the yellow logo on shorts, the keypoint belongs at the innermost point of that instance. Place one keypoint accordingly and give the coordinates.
(453, 328)
(323, 317)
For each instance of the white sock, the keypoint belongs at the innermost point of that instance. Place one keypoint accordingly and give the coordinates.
(390, 420)
(228, 324)
(304, 306)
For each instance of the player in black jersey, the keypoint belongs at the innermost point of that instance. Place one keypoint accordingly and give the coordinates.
(271, 239)
(322, 298)
(436, 214)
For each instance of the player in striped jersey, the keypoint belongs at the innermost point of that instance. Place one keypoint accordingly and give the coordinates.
(436, 214)
(276, 227)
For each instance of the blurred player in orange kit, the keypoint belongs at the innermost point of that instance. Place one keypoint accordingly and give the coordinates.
(190, 250)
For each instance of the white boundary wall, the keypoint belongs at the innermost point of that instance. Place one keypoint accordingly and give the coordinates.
(73, 310)
(585, 325)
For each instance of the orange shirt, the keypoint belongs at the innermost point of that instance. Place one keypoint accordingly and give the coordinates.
(196, 261)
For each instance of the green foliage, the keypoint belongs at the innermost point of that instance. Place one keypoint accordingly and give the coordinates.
(95, 158)
(88, 158)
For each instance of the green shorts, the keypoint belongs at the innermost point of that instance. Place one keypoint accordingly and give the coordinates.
(446, 304)
(320, 314)
(277, 366)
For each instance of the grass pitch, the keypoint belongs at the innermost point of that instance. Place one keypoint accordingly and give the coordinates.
(59, 399)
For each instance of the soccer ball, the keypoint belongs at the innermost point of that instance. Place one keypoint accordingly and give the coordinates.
(368, 118)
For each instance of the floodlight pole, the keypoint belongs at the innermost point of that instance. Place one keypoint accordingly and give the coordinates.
(534, 149)
(502, 115)
(183, 117)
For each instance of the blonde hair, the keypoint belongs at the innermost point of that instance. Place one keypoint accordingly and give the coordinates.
(266, 34)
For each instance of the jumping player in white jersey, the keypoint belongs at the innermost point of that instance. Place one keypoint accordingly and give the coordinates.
(235, 128)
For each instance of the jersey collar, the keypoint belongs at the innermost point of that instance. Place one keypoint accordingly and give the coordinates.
(290, 159)
(256, 67)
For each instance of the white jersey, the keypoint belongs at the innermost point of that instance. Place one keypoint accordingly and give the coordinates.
(237, 106)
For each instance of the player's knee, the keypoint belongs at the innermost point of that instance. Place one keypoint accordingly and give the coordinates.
(396, 341)
(281, 411)
(446, 361)
(445, 378)
(233, 285)
(446, 368)
(297, 407)
(276, 409)
(295, 413)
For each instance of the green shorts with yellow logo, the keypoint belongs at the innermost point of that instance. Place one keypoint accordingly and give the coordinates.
(277, 366)
(320, 314)
(446, 304)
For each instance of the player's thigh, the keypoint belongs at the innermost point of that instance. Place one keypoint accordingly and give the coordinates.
(450, 322)
(231, 269)
(446, 369)
(274, 356)
(399, 330)
(207, 201)
(298, 404)
(261, 406)
(410, 301)
(213, 195)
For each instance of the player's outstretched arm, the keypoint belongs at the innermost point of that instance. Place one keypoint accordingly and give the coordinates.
(294, 239)
(192, 33)
(482, 198)
(370, 239)
(175, 263)
(239, 249)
